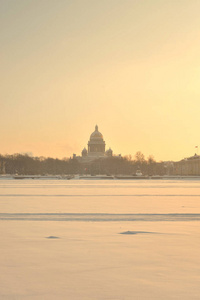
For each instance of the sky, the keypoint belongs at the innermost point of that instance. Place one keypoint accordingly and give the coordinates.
(132, 67)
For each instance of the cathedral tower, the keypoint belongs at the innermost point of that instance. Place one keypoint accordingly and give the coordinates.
(96, 144)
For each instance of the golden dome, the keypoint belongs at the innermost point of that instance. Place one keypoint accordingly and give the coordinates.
(96, 134)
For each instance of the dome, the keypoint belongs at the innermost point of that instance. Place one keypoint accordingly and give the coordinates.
(96, 144)
(109, 152)
(84, 152)
(96, 134)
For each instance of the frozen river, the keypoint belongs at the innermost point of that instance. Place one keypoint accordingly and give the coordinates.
(96, 239)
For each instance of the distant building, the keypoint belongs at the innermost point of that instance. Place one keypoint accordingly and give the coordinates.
(188, 166)
(96, 148)
(96, 144)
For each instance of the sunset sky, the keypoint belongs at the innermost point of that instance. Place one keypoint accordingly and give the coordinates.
(132, 67)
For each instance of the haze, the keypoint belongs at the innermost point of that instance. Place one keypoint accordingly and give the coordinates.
(132, 67)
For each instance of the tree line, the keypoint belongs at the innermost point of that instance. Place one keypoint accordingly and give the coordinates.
(23, 164)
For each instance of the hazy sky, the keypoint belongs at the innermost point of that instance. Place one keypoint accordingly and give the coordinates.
(132, 67)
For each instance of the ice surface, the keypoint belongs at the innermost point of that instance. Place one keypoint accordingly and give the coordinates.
(99, 239)
(137, 232)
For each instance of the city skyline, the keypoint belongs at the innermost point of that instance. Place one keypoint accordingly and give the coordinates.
(131, 67)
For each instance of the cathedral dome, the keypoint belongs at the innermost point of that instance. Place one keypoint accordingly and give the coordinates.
(109, 152)
(96, 144)
(96, 134)
(84, 152)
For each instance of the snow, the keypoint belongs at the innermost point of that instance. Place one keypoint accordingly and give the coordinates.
(65, 239)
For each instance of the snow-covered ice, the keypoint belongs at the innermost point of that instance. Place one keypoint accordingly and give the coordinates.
(82, 240)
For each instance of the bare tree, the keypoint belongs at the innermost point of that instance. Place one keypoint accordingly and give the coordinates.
(139, 157)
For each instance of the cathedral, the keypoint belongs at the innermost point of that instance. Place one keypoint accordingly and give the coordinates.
(96, 148)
